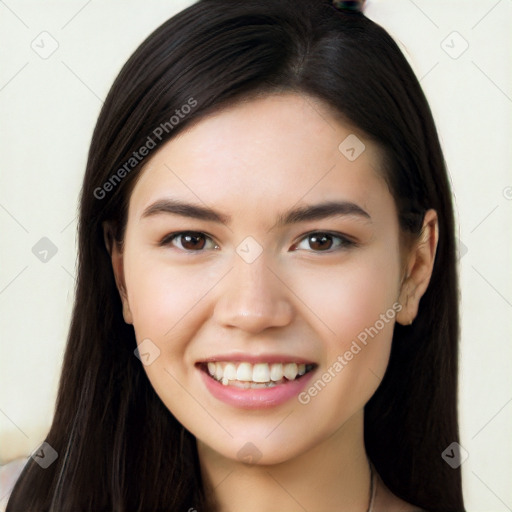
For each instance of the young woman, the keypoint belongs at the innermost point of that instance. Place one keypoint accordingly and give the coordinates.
(266, 311)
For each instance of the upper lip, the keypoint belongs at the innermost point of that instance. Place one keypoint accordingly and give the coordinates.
(257, 358)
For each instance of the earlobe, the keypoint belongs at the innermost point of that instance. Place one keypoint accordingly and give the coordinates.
(409, 309)
(420, 265)
(116, 257)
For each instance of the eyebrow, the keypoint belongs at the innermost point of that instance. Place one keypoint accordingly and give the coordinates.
(293, 216)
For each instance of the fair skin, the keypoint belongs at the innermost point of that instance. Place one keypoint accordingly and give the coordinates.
(300, 297)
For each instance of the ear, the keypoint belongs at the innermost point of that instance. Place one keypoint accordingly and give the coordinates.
(116, 255)
(419, 266)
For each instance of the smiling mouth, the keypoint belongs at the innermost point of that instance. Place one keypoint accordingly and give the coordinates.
(245, 375)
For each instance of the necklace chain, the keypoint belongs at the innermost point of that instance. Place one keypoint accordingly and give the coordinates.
(372, 487)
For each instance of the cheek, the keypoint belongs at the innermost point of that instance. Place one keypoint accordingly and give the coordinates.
(163, 297)
(351, 296)
(167, 303)
(356, 300)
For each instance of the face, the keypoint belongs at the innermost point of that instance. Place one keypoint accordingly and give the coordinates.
(292, 313)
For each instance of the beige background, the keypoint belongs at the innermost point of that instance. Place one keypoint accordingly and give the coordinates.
(48, 107)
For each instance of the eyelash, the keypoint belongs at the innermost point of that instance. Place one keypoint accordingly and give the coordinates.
(345, 242)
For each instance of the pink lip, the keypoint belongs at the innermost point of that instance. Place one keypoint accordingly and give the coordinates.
(253, 359)
(255, 398)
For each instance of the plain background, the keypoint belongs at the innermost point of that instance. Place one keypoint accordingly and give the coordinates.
(460, 51)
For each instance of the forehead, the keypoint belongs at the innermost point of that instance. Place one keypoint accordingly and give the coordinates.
(260, 155)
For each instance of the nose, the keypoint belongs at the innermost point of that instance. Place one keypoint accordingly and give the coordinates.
(253, 297)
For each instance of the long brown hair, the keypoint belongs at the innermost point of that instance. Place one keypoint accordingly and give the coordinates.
(118, 446)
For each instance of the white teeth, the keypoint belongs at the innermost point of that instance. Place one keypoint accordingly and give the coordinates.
(260, 375)
(218, 371)
(290, 371)
(276, 372)
(230, 371)
(244, 372)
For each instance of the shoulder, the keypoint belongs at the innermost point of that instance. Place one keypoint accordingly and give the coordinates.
(9, 474)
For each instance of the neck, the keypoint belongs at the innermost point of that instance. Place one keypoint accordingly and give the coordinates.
(332, 475)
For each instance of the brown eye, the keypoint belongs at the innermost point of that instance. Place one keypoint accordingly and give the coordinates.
(190, 241)
(324, 242)
(320, 242)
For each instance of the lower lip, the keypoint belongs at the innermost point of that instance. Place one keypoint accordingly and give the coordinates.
(256, 398)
